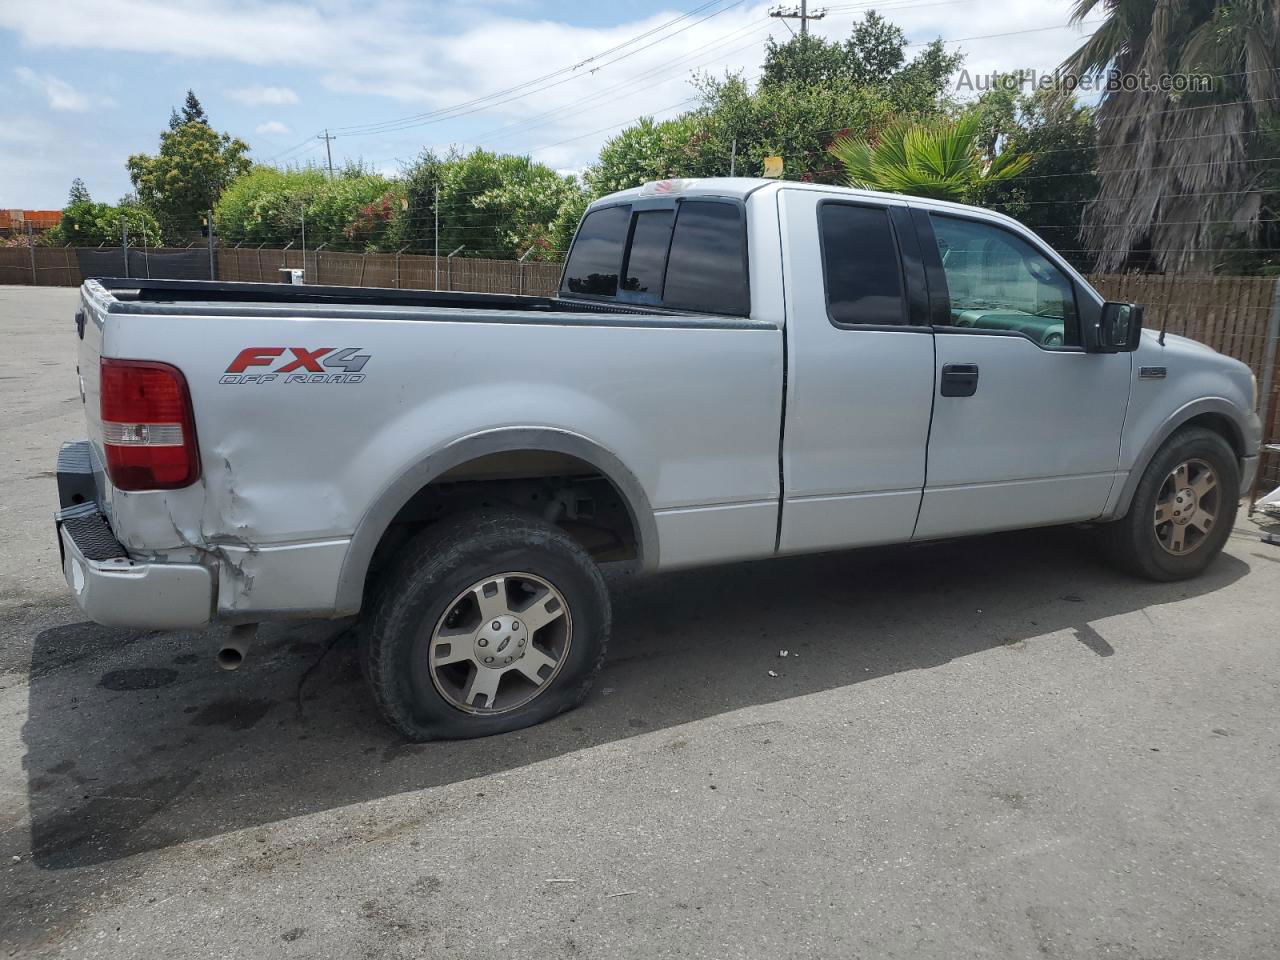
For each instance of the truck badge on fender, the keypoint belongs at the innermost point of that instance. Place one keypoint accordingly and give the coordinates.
(303, 365)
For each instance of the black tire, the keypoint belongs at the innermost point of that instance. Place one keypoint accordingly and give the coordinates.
(1132, 542)
(429, 573)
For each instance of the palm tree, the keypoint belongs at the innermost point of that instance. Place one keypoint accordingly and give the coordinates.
(1179, 172)
(936, 158)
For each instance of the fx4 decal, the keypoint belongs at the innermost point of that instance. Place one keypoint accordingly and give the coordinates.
(303, 365)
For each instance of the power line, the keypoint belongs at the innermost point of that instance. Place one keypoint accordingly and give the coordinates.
(528, 123)
(537, 85)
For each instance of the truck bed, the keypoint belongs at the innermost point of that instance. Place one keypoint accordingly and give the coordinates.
(123, 295)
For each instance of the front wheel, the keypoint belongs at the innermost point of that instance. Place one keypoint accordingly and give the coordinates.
(1182, 511)
(488, 622)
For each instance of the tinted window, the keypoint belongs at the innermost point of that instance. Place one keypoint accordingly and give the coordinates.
(707, 269)
(860, 264)
(597, 253)
(998, 281)
(647, 257)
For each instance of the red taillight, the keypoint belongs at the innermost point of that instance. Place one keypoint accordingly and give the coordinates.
(148, 431)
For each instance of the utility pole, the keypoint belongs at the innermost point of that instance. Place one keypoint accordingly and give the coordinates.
(733, 157)
(304, 243)
(435, 209)
(124, 243)
(800, 13)
(328, 152)
(212, 271)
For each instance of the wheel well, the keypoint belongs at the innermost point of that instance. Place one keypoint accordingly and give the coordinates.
(1221, 425)
(562, 489)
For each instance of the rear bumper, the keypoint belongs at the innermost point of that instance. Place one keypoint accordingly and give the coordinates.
(111, 587)
(116, 591)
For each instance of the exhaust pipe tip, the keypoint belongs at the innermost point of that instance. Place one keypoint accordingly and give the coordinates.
(232, 653)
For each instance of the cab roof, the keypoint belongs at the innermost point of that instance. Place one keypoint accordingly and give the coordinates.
(739, 188)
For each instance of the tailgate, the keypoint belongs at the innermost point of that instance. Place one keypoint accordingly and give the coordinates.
(89, 330)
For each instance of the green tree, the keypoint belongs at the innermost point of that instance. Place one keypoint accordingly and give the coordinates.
(187, 175)
(499, 205)
(88, 224)
(353, 211)
(192, 111)
(413, 226)
(795, 122)
(78, 193)
(265, 205)
(1180, 171)
(920, 86)
(875, 50)
(812, 91)
(807, 58)
(874, 55)
(647, 151)
(938, 158)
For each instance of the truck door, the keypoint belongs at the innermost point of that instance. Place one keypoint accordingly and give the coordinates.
(1026, 423)
(859, 371)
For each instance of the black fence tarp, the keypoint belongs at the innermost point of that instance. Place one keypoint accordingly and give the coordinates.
(190, 264)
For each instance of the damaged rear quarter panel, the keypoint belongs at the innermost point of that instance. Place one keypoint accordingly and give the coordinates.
(289, 468)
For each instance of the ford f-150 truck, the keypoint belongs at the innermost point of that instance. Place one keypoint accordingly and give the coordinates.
(732, 369)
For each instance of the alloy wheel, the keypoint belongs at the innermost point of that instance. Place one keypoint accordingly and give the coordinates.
(500, 643)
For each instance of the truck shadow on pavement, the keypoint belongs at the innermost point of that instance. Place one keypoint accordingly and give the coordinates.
(137, 742)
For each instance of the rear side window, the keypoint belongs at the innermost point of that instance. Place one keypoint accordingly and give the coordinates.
(647, 255)
(707, 268)
(860, 265)
(596, 256)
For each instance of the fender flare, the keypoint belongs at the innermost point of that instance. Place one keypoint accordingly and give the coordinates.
(377, 518)
(1196, 408)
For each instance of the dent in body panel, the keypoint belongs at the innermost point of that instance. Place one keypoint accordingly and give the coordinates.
(208, 522)
(692, 411)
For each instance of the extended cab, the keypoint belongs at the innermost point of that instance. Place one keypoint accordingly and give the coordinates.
(732, 369)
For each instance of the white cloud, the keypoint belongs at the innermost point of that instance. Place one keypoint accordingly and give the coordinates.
(60, 94)
(425, 56)
(259, 96)
(272, 127)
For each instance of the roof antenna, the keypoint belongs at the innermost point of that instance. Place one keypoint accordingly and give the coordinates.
(1164, 322)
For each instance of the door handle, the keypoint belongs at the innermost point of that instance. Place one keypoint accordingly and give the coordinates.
(959, 379)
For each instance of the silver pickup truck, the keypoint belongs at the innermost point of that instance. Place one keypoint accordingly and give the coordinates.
(732, 369)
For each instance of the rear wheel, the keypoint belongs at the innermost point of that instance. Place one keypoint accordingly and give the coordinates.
(488, 622)
(1183, 509)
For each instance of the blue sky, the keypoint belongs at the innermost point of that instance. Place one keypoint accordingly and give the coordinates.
(85, 83)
